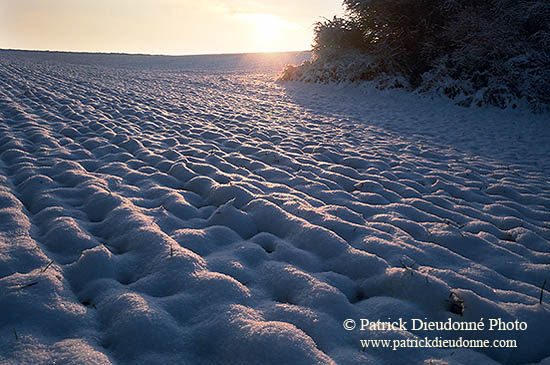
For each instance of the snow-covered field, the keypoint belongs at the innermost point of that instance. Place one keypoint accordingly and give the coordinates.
(192, 210)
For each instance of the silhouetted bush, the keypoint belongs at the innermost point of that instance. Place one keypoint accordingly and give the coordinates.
(493, 52)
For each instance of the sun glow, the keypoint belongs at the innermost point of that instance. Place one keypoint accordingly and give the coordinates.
(267, 29)
(175, 27)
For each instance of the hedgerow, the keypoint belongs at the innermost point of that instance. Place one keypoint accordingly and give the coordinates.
(492, 52)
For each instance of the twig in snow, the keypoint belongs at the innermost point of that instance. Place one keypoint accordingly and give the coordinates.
(47, 266)
(409, 268)
(24, 286)
(542, 291)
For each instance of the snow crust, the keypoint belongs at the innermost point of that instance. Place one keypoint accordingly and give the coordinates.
(194, 210)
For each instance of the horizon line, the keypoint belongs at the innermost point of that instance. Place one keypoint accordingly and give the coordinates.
(147, 54)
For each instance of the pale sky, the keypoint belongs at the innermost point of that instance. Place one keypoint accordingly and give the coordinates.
(172, 27)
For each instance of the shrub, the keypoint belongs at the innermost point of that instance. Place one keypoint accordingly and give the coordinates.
(493, 52)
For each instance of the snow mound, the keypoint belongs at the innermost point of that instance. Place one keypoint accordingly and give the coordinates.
(194, 210)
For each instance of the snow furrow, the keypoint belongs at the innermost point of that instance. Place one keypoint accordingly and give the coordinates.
(191, 215)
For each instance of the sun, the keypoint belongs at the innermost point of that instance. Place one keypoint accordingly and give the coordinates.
(266, 27)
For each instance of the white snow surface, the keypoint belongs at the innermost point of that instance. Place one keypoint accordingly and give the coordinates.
(193, 210)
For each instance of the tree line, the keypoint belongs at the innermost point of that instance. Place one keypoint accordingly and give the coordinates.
(491, 52)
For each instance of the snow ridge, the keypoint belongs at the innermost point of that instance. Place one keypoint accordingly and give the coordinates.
(165, 215)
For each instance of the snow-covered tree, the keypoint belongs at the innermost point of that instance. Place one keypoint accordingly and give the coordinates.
(482, 52)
